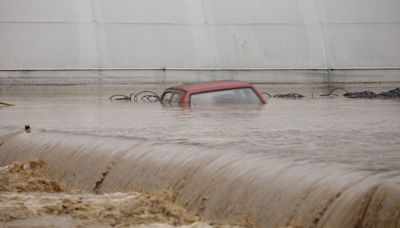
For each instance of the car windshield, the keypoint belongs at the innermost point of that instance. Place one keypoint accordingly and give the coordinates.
(229, 96)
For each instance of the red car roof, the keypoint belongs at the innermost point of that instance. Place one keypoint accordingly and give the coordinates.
(210, 86)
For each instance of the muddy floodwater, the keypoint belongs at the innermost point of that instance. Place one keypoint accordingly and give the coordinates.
(312, 162)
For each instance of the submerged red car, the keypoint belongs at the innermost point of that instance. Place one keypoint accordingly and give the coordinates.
(216, 92)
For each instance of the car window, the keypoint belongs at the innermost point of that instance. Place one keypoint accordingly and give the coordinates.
(176, 97)
(231, 96)
(166, 96)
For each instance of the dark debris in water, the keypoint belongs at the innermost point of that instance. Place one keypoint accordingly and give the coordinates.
(6, 104)
(332, 94)
(395, 93)
(289, 95)
(146, 96)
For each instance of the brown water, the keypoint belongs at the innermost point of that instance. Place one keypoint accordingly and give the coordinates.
(313, 162)
(28, 198)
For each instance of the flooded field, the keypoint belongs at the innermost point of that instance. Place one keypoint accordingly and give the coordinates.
(312, 162)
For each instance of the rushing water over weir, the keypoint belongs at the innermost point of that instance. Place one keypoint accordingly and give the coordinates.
(314, 162)
(215, 183)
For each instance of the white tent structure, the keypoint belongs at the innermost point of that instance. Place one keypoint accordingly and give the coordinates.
(119, 41)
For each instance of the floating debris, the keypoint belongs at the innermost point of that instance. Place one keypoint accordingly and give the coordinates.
(146, 96)
(119, 97)
(331, 92)
(6, 104)
(364, 94)
(27, 128)
(395, 93)
(289, 95)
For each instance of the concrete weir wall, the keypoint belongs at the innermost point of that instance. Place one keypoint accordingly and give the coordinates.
(124, 41)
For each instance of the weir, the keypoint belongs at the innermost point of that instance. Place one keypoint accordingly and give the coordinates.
(223, 185)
